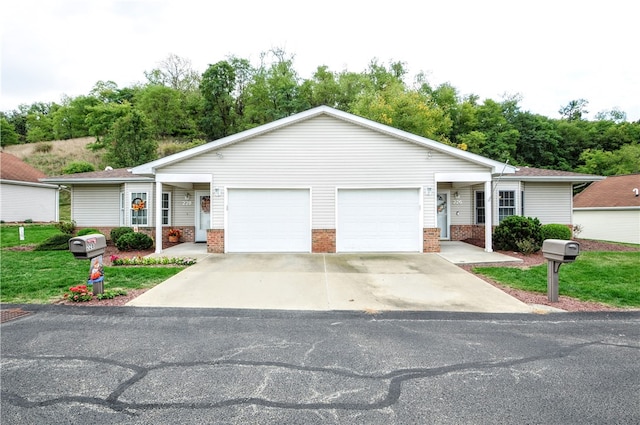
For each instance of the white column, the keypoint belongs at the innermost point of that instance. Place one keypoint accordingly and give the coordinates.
(488, 216)
(158, 211)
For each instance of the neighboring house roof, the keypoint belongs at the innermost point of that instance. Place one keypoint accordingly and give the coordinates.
(613, 191)
(16, 171)
(117, 175)
(13, 168)
(151, 167)
(544, 175)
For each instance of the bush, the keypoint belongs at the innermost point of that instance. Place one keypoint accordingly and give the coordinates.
(67, 227)
(78, 167)
(88, 232)
(133, 241)
(556, 231)
(527, 246)
(43, 147)
(58, 242)
(514, 229)
(119, 231)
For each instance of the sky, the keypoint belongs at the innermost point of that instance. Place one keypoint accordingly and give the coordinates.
(546, 52)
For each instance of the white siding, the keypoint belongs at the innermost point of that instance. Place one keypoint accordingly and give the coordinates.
(618, 225)
(22, 202)
(323, 153)
(96, 205)
(549, 202)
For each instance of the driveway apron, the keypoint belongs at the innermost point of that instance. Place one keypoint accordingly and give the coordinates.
(363, 282)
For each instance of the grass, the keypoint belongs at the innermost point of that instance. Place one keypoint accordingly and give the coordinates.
(44, 276)
(611, 278)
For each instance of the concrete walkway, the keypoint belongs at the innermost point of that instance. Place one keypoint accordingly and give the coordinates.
(364, 282)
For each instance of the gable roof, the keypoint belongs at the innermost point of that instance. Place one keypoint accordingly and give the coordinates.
(150, 168)
(117, 175)
(544, 175)
(613, 191)
(13, 168)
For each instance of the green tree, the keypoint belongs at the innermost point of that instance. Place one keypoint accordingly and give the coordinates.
(101, 118)
(539, 142)
(574, 110)
(8, 134)
(174, 72)
(163, 106)
(217, 88)
(78, 167)
(130, 141)
(625, 160)
(40, 122)
(69, 121)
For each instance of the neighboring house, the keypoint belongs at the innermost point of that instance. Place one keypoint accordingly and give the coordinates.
(22, 195)
(610, 209)
(321, 181)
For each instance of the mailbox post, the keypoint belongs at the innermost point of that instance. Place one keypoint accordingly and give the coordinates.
(557, 252)
(91, 247)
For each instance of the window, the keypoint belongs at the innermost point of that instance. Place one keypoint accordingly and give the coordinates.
(480, 216)
(122, 210)
(506, 204)
(166, 209)
(139, 210)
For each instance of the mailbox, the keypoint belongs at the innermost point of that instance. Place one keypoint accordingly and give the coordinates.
(560, 250)
(557, 252)
(88, 246)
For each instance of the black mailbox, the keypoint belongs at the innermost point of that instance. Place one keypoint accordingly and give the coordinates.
(87, 246)
(560, 250)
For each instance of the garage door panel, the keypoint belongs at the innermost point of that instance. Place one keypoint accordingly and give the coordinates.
(379, 220)
(268, 220)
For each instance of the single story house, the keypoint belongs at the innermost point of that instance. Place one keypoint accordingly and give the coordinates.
(322, 180)
(22, 196)
(610, 209)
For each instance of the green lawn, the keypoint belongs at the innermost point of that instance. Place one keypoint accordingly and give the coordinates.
(611, 278)
(44, 276)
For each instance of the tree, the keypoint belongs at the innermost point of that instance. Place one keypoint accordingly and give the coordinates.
(78, 167)
(163, 106)
(130, 141)
(539, 142)
(69, 121)
(574, 110)
(217, 87)
(625, 160)
(8, 134)
(100, 118)
(174, 72)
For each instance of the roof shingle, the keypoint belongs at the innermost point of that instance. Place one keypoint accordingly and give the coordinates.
(614, 191)
(13, 168)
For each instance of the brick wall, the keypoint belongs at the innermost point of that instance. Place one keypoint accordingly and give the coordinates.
(188, 232)
(323, 240)
(431, 240)
(215, 241)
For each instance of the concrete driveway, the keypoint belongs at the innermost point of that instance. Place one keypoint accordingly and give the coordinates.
(364, 282)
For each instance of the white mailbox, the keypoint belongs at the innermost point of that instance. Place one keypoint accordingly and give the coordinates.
(560, 250)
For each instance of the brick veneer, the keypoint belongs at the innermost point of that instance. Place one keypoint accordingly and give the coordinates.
(215, 241)
(323, 240)
(431, 239)
(188, 232)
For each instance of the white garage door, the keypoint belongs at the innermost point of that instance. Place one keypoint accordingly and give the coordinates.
(268, 220)
(378, 220)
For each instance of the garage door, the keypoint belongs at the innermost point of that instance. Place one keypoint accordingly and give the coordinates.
(378, 220)
(268, 220)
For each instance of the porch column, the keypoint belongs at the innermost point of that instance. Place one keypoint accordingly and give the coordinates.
(158, 213)
(488, 219)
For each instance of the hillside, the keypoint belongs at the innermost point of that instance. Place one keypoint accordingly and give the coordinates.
(52, 160)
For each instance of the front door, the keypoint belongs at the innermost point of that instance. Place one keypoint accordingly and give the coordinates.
(203, 215)
(443, 214)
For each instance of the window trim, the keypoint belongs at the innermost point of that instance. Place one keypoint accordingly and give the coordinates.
(478, 207)
(167, 209)
(145, 197)
(503, 209)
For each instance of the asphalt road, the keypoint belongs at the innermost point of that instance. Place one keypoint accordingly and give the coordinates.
(128, 365)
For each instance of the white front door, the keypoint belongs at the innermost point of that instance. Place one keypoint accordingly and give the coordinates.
(443, 214)
(203, 215)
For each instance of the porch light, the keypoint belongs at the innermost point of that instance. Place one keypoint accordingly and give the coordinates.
(187, 196)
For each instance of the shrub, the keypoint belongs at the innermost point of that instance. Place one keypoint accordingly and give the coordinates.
(78, 167)
(516, 228)
(28, 221)
(134, 241)
(119, 231)
(527, 246)
(58, 242)
(555, 231)
(43, 147)
(89, 231)
(79, 293)
(67, 227)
